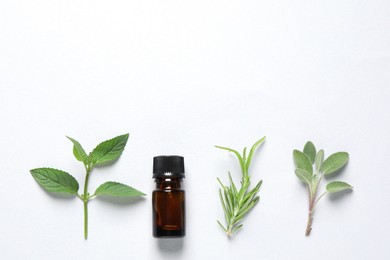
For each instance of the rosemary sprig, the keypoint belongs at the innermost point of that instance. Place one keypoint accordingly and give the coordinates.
(236, 203)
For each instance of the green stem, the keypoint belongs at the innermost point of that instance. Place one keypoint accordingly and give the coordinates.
(229, 231)
(85, 220)
(315, 203)
(85, 201)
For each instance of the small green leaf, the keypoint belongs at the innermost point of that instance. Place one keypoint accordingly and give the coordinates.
(54, 180)
(319, 159)
(109, 150)
(244, 154)
(117, 189)
(252, 151)
(310, 151)
(337, 186)
(304, 176)
(334, 162)
(78, 151)
(220, 224)
(302, 161)
(239, 157)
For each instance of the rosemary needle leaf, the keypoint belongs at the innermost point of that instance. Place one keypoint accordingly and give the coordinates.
(252, 151)
(219, 223)
(222, 202)
(236, 229)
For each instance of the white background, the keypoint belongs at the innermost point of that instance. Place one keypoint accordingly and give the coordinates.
(180, 77)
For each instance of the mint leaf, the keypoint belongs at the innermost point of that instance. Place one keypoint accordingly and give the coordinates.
(109, 150)
(319, 159)
(337, 186)
(78, 151)
(310, 151)
(304, 176)
(117, 189)
(54, 180)
(334, 162)
(302, 161)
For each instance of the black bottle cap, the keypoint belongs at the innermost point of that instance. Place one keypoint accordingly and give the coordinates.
(168, 166)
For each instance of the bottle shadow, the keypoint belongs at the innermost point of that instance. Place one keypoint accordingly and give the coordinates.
(170, 246)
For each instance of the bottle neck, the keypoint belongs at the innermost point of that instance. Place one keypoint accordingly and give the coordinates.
(168, 183)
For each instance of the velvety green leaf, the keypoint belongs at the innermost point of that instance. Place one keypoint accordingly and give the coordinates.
(304, 176)
(54, 180)
(302, 161)
(109, 150)
(310, 151)
(118, 190)
(334, 162)
(78, 151)
(319, 159)
(337, 186)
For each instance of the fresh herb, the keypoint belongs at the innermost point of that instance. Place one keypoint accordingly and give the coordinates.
(58, 181)
(237, 203)
(304, 170)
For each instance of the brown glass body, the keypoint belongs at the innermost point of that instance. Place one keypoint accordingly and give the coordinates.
(168, 208)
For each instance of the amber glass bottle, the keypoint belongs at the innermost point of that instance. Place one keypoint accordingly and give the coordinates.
(168, 197)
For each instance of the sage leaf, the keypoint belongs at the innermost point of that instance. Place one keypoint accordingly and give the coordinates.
(304, 171)
(319, 159)
(117, 189)
(334, 162)
(304, 176)
(109, 150)
(78, 151)
(337, 186)
(302, 161)
(310, 151)
(54, 180)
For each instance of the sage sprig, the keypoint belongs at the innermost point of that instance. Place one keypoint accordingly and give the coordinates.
(312, 178)
(58, 181)
(236, 203)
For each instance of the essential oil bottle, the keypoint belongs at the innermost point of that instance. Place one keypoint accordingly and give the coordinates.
(168, 198)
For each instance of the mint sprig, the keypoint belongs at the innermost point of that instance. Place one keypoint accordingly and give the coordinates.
(237, 203)
(312, 177)
(58, 181)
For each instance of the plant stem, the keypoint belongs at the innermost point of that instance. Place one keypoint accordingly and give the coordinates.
(315, 203)
(312, 203)
(85, 220)
(229, 231)
(85, 201)
(311, 207)
(309, 222)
